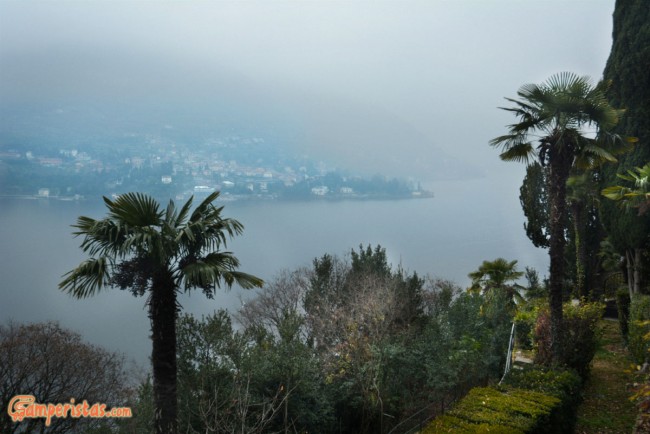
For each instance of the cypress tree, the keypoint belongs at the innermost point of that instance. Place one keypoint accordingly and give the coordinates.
(627, 68)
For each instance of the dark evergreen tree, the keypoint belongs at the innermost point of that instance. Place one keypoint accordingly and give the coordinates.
(533, 196)
(627, 69)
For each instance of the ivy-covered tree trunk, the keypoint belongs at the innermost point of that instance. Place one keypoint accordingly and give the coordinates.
(559, 166)
(162, 313)
(577, 210)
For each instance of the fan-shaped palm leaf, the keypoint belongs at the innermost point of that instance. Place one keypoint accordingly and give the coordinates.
(134, 209)
(88, 278)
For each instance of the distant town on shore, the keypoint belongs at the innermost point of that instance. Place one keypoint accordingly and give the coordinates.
(242, 168)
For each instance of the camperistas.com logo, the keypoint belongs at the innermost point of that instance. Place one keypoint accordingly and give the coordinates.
(25, 407)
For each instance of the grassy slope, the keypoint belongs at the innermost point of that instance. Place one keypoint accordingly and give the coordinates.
(606, 407)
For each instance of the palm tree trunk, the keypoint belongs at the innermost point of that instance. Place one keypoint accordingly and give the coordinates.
(629, 268)
(637, 270)
(581, 255)
(162, 313)
(633, 263)
(559, 166)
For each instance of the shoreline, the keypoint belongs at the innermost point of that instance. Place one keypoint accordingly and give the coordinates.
(241, 198)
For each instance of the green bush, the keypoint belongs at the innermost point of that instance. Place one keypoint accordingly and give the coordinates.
(449, 424)
(534, 400)
(639, 327)
(508, 410)
(563, 384)
(623, 309)
(524, 325)
(581, 336)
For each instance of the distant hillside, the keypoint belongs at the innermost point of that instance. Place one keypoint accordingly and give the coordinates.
(88, 99)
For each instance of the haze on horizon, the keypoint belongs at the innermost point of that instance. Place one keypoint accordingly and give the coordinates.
(369, 86)
(373, 87)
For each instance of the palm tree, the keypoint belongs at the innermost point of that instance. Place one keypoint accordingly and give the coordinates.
(498, 275)
(582, 197)
(564, 123)
(633, 197)
(158, 252)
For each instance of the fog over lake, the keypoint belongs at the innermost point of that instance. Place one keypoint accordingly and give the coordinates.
(397, 88)
(442, 237)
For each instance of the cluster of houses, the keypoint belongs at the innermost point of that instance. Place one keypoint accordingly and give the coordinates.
(181, 168)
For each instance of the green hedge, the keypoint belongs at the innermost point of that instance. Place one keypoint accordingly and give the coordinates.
(533, 401)
(451, 424)
(639, 327)
(563, 384)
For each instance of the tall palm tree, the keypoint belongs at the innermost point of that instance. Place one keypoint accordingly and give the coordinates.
(564, 123)
(159, 252)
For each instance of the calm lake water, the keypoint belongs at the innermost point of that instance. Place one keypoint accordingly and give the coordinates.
(447, 236)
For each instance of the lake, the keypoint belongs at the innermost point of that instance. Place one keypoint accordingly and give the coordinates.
(447, 236)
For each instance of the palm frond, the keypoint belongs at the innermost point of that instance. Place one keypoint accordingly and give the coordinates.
(210, 270)
(616, 192)
(592, 149)
(204, 207)
(103, 237)
(568, 82)
(171, 216)
(134, 209)
(521, 152)
(523, 108)
(531, 92)
(641, 177)
(185, 209)
(88, 278)
(245, 280)
(145, 239)
(616, 144)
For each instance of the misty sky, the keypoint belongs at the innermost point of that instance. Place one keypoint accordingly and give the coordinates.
(375, 85)
(370, 86)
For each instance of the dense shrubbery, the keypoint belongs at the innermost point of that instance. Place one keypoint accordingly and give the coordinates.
(346, 346)
(639, 326)
(536, 399)
(532, 401)
(525, 320)
(581, 335)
